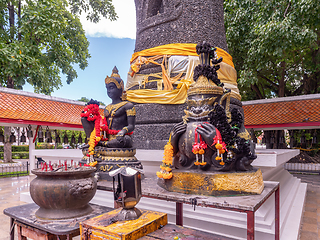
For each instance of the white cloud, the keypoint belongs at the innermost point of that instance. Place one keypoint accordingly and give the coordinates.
(123, 27)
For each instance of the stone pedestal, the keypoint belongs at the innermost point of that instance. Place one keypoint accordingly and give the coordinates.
(110, 159)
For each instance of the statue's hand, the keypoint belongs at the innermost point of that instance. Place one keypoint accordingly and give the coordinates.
(207, 132)
(120, 136)
(120, 139)
(177, 130)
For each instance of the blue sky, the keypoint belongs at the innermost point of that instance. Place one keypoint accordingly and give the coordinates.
(111, 44)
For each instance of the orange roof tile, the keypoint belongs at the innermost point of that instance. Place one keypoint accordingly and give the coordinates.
(290, 112)
(31, 108)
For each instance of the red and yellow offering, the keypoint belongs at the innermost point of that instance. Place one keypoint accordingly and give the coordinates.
(166, 170)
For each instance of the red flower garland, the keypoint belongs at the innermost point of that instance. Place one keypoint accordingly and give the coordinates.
(220, 146)
(198, 148)
(91, 112)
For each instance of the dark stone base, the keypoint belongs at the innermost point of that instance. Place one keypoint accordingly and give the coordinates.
(110, 159)
(103, 168)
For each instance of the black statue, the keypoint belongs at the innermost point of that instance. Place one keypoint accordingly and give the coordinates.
(109, 137)
(120, 115)
(211, 136)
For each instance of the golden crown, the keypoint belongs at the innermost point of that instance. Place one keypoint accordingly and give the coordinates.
(204, 86)
(112, 79)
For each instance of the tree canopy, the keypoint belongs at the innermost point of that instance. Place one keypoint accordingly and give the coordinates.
(275, 46)
(41, 39)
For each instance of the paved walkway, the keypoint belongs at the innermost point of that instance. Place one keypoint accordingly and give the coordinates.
(310, 227)
(10, 189)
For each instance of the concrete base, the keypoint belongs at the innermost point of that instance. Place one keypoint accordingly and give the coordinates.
(227, 223)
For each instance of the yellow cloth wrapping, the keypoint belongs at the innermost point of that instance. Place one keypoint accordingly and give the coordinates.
(186, 49)
(176, 96)
(227, 74)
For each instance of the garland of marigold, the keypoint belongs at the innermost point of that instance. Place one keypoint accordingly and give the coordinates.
(198, 148)
(166, 170)
(91, 112)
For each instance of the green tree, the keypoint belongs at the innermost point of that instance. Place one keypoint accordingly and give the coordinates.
(275, 46)
(39, 39)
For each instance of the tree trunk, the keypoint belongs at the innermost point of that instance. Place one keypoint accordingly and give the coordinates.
(7, 152)
(282, 80)
(10, 83)
(18, 131)
(19, 17)
(11, 19)
(255, 88)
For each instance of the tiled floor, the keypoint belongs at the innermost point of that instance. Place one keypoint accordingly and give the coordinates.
(310, 227)
(10, 189)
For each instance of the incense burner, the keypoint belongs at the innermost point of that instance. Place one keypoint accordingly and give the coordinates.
(64, 194)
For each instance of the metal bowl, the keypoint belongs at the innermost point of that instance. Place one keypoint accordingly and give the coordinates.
(63, 195)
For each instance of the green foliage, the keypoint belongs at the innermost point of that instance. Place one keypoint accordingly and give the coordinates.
(94, 9)
(17, 155)
(44, 40)
(44, 146)
(21, 148)
(275, 46)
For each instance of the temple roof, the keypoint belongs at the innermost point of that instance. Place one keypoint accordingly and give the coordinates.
(299, 112)
(20, 108)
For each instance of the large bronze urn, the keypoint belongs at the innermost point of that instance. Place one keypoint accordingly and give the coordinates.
(64, 194)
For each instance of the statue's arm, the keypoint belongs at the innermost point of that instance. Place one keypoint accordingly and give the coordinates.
(176, 132)
(131, 119)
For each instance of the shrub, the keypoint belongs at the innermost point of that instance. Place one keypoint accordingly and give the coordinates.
(21, 148)
(17, 155)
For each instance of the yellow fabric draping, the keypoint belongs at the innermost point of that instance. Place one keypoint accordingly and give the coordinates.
(176, 96)
(167, 82)
(185, 49)
(193, 62)
(227, 74)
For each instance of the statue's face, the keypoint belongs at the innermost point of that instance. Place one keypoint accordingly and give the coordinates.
(200, 106)
(113, 92)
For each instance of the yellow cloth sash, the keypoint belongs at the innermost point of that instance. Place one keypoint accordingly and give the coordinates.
(185, 49)
(176, 96)
(227, 74)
